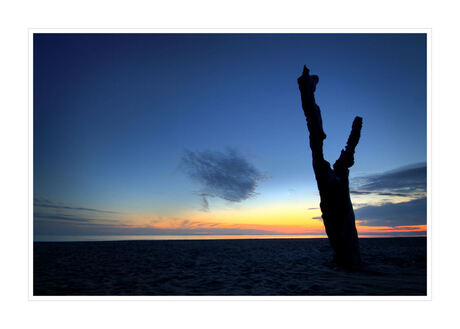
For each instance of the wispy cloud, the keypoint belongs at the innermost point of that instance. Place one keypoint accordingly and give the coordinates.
(65, 218)
(405, 181)
(41, 202)
(204, 202)
(54, 217)
(378, 193)
(43, 205)
(227, 175)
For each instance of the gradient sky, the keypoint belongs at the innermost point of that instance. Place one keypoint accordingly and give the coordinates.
(204, 133)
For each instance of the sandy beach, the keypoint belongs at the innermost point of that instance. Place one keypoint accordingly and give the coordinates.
(257, 267)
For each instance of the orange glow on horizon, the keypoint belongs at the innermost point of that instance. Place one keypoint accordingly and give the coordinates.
(274, 219)
(279, 219)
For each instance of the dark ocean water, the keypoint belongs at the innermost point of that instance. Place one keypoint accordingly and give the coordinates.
(259, 267)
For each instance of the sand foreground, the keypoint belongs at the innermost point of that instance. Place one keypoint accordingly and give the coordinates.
(258, 267)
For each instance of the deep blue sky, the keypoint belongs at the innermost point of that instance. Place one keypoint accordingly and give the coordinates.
(114, 113)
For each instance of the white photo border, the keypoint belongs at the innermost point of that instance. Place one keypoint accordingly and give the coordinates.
(32, 31)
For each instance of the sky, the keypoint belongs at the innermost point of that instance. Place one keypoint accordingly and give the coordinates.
(191, 134)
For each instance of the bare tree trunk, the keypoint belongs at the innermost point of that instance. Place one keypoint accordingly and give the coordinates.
(333, 184)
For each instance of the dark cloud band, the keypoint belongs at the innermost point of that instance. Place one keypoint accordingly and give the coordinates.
(394, 214)
(406, 181)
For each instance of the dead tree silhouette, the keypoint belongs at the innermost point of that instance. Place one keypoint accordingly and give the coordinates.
(333, 185)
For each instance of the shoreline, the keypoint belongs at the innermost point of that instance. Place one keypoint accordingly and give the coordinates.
(211, 238)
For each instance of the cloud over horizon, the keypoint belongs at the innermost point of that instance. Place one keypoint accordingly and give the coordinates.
(407, 184)
(227, 175)
(394, 214)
